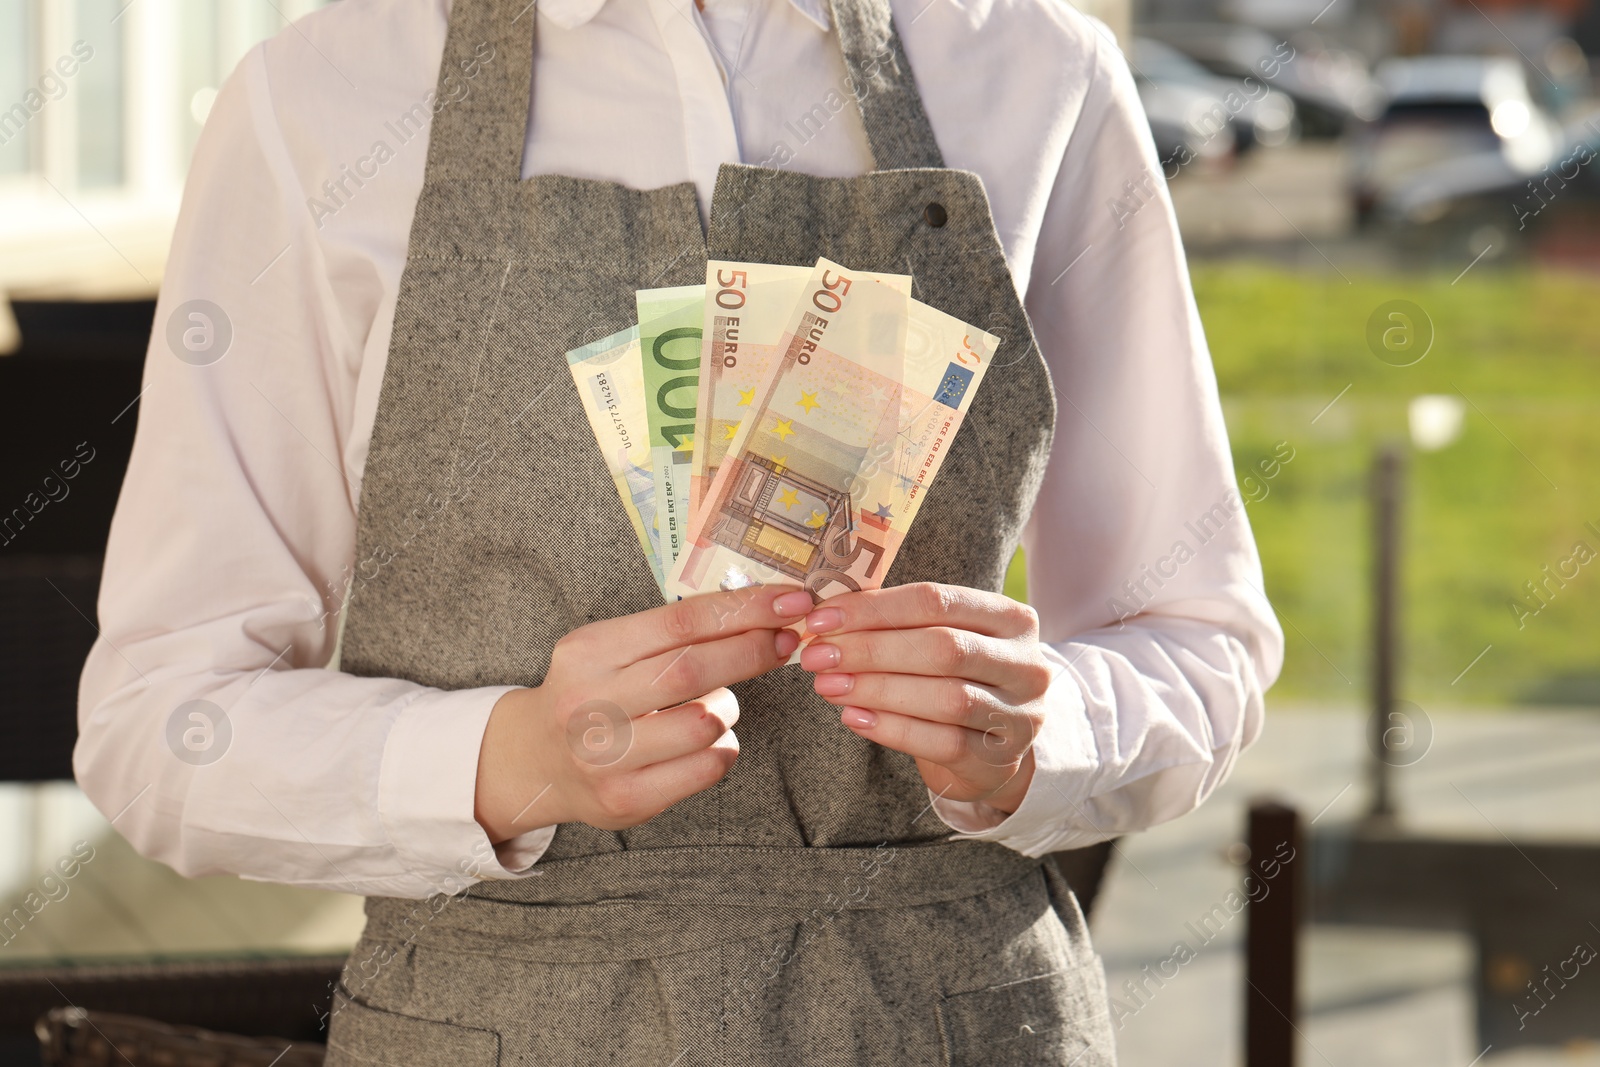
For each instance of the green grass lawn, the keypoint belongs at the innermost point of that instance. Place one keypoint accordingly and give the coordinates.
(1482, 517)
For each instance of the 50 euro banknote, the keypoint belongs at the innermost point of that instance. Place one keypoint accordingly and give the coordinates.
(844, 436)
(747, 308)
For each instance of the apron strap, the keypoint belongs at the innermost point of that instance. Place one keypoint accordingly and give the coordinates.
(480, 105)
(885, 89)
(480, 108)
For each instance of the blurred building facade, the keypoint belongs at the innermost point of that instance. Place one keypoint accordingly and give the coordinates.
(1407, 27)
(101, 102)
(1117, 14)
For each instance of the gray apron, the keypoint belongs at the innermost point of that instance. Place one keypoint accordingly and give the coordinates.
(810, 908)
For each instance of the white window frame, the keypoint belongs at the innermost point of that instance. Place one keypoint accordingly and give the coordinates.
(57, 241)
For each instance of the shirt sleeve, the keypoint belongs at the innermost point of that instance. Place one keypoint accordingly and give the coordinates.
(211, 730)
(1140, 559)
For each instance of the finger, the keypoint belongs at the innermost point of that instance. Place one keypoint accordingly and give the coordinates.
(924, 604)
(971, 754)
(687, 728)
(631, 638)
(955, 701)
(686, 673)
(655, 788)
(934, 651)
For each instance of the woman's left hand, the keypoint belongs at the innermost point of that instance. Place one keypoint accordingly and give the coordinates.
(951, 676)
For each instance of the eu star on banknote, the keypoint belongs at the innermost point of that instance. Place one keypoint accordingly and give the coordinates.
(779, 423)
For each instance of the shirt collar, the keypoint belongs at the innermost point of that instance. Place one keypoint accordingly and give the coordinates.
(571, 13)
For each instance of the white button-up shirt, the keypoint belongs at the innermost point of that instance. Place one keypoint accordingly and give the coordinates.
(224, 573)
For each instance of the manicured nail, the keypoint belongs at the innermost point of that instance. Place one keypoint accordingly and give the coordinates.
(823, 620)
(791, 604)
(819, 657)
(834, 685)
(785, 643)
(858, 718)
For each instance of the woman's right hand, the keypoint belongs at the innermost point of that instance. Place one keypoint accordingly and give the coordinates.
(593, 744)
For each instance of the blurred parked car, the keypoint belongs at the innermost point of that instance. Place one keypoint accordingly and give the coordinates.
(1451, 123)
(1180, 117)
(1465, 205)
(1252, 113)
(1330, 87)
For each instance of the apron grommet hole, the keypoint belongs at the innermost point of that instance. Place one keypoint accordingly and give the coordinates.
(935, 214)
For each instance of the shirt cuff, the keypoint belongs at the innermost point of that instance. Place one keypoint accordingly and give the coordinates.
(523, 851)
(1065, 763)
(427, 790)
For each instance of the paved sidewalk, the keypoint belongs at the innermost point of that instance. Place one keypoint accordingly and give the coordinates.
(1373, 997)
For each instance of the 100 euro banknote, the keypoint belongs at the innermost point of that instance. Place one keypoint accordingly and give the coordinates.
(670, 327)
(844, 434)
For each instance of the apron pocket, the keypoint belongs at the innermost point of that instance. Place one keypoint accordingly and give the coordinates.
(359, 1036)
(1052, 1019)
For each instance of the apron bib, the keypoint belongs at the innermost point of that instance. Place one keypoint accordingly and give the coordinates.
(809, 908)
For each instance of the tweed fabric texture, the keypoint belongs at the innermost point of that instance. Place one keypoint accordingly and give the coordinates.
(881, 82)
(489, 528)
(881, 958)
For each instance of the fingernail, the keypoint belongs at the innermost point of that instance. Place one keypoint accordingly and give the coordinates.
(820, 622)
(819, 657)
(785, 643)
(834, 685)
(791, 604)
(858, 718)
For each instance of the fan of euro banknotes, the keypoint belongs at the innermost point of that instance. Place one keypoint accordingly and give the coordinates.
(778, 423)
